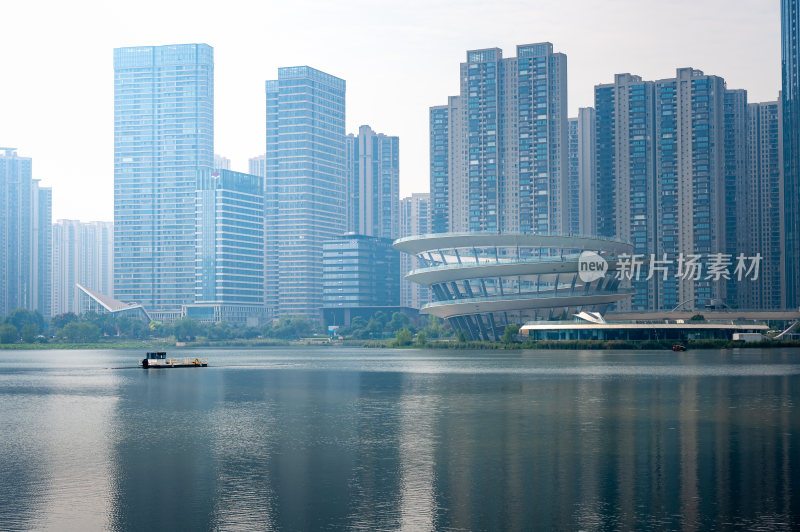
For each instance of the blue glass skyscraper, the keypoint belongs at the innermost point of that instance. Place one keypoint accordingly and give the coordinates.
(790, 52)
(163, 132)
(230, 247)
(361, 271)
(305, 184)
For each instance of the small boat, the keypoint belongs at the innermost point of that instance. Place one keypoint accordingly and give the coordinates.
(158, 359)
(679, 347)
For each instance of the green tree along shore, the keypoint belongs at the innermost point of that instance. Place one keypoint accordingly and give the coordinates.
(24, 329)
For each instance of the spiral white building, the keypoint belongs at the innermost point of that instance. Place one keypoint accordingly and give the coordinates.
(482, 282)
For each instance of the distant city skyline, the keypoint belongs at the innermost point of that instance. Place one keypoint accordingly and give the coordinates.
(416, 41)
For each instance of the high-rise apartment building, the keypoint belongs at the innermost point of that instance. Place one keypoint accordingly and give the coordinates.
(736, 189)
(499, 149)
(25, 211)
(83, 254)
(762, 206)
(790, 103)
(663, 175)
(444, 166)
(98, 257)
(690, 186)
(581, 206)
(15, 231)
(67, 257)
(414, 220)
(163, 132)
(305, 184)
(257, 165)
(221, 163)
(373, 184)
(625, 182)
(573, 187)
(229, 267)
(41, 247)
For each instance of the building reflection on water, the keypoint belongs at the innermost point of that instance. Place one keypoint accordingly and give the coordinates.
(55, 447)
(165, 476)
(417, 445)
(427, 448)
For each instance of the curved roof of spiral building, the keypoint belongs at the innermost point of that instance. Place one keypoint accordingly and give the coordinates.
(436, 241)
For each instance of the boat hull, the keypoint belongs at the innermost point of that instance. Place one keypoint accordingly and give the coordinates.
(150, 363)
(201, 365)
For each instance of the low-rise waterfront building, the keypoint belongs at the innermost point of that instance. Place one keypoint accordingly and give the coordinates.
(94, 301)
(589, 326)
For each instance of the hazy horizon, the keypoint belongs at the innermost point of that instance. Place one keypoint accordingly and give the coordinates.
(398, 58)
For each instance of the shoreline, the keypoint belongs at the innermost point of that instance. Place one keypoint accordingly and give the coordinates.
(141, 344)
(387, 343)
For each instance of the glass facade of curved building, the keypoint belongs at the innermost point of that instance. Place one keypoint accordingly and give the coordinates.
(482, 282)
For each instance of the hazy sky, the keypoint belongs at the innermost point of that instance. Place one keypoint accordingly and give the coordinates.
(398, 57)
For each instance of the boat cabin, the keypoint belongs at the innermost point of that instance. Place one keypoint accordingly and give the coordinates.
(157, 355)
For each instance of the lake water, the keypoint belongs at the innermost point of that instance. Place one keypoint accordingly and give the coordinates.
(340, 438)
